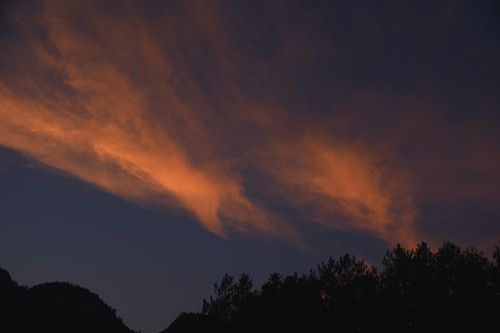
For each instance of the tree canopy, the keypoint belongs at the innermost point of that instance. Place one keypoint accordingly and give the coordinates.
(417, 290)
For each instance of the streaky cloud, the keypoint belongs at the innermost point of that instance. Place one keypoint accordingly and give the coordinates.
(170, 110)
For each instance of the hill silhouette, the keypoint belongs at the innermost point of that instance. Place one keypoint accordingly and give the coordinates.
(54, 307)
(418, 290)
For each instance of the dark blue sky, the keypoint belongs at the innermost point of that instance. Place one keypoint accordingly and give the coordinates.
(148, 148)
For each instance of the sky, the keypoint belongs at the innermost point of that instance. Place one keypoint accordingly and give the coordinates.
(149, 147)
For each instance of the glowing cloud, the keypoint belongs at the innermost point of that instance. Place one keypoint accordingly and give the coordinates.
(342, 187)
(108, 99)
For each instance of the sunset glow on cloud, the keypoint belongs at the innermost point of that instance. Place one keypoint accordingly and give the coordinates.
(163, 112)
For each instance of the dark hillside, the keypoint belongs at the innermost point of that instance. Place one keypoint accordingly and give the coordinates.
(54, 307)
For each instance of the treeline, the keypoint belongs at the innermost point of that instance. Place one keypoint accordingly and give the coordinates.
(417, 290)
(55, 307)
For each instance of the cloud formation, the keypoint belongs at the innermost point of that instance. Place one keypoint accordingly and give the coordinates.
(169, 105)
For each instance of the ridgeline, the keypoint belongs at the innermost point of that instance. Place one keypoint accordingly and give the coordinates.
(418, 290)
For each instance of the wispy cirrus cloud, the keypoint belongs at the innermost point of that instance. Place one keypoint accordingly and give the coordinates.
(169, 106)
(108, 132)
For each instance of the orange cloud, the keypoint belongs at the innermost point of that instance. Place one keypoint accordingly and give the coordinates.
(113, 143)
(125, 108)
(341, 186)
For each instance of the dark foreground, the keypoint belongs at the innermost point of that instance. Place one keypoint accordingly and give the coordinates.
(417, 290)
(54, 307)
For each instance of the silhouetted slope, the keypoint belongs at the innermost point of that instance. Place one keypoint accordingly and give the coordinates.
(54, 307)
(418, 291)
(188, 323)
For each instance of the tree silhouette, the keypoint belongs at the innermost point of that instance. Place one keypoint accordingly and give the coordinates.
(417, 290)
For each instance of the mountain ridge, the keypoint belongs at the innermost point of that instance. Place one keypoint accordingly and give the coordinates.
(55, 307)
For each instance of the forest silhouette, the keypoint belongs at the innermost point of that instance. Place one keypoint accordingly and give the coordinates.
(417, 290)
